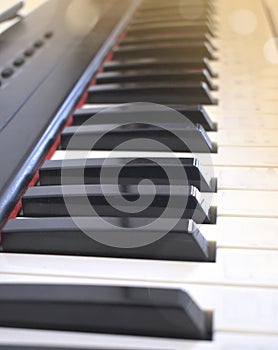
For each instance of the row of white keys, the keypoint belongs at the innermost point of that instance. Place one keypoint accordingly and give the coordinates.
(242, 120)
(70, 340)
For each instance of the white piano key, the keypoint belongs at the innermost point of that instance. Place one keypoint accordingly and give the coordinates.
(246, 156)
(233, 267)
(244, 120)
(242, 138)
(226, 156)
(244, 233)
(247, 203)
(235, 119)
(246, 178)
(221, 341)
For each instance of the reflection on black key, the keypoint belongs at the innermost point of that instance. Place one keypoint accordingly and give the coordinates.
(54, 201)
(110, 310)
(179, 93)
(192, 51)
(132, 171)
(157, 63)
(195, 114)
(62, 236)
(170, 28)
(150, 76)
(176, 137)
(165, 38)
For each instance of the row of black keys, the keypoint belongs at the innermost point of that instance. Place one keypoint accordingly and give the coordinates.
(125, 310)
(62, 236)
(49, 229)
(161, 59)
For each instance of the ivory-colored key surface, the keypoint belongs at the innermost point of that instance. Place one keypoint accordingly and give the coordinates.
(234, 267)
(247, 138)
(221, 341)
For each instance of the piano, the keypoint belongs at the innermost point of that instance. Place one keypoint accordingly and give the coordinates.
(139, 174)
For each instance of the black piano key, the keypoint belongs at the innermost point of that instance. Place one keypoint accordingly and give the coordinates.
(179, 12)
(165, 313)
(158, 23)
(164, 38)
(132, 171)
(150, 76)
(157, 5)
(201, 24)
(208, 21)
(53, 201)
(168, 18)
(175, 13)
(162, 4)
(168, 38)
(179, 93)
(62, 236)
(196, 114)
(192, 51)
(177, 137)
(175, 27)
(157, 63)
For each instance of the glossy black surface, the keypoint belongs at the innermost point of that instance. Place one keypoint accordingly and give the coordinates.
(194, 26)
(150, 76)
(63, 236)
(167, 93)
(166, 313)
(158, 63)
(177, 137)
(191, 51)
(195, 114)
(132, 172)
(186, 38)
(50, 201)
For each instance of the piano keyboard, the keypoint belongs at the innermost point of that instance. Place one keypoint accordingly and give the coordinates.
(221, 257)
